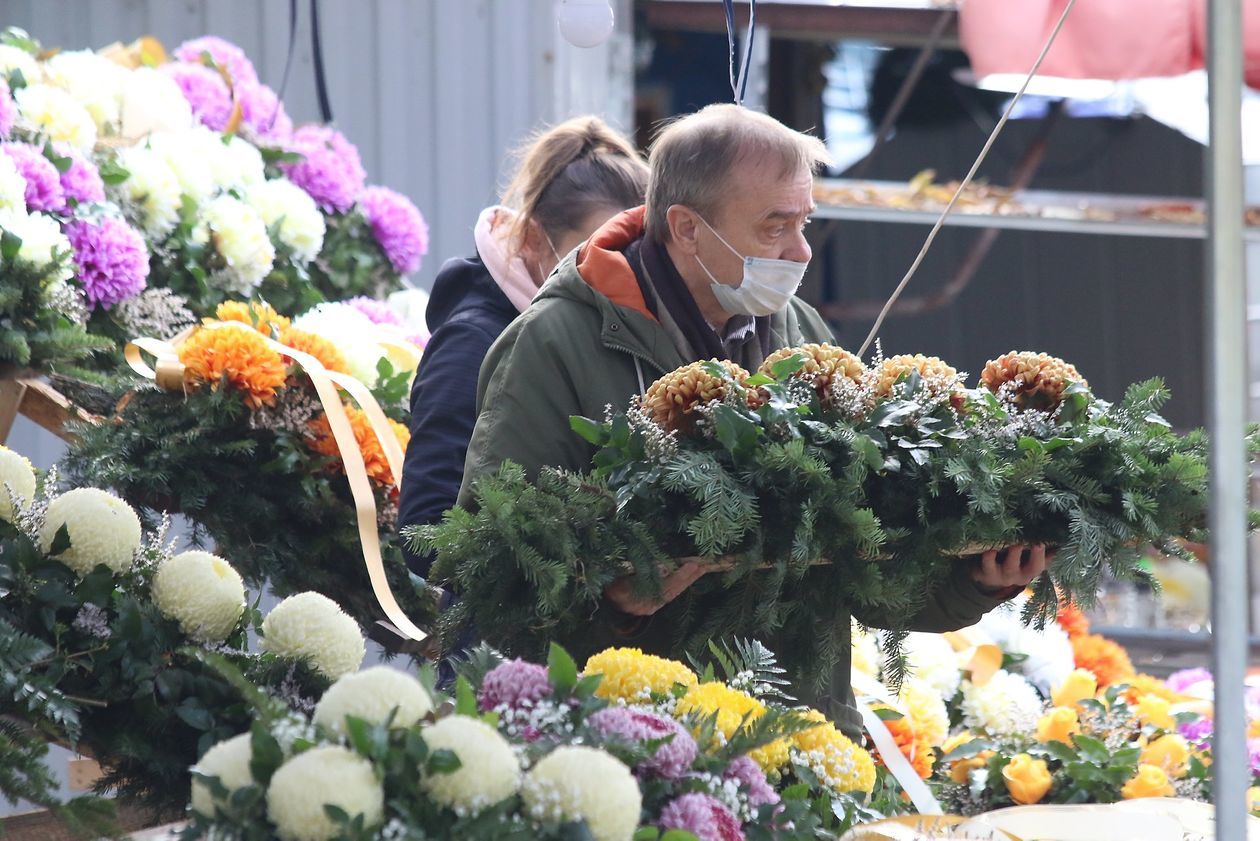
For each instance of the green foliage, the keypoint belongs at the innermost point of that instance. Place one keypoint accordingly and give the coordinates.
(351, 262)
(33, 334)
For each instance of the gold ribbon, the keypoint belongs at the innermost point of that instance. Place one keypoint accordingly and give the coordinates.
(168, 372)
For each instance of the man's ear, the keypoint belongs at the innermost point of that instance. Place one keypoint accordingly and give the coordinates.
(684, 227)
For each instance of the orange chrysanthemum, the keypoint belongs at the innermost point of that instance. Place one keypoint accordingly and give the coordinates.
(1143, 684)
(1037, 379)
(934, 371)
(913, 746)
(1072, 620)
(821, 364)
(317, 346)
(672, 400)
(239, 357)
(322, 442)
(257, 314)
(1108, 660)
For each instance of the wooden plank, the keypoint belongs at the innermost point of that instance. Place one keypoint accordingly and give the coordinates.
(42, 825)
(47, 407)
(11, 392)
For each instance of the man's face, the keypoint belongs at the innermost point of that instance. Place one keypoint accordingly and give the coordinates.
(762, 214)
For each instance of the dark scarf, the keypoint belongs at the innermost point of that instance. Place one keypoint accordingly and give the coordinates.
(656, 271)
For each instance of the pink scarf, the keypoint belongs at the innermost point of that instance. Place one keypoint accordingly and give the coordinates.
(510, 274)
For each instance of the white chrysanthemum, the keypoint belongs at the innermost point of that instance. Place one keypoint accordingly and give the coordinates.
(311, 627)
(351, 331)
(323, 776)
(16, 477)
(920, 700)
(152, 101)
(301, 225)
(931, 658)
(240, 238)
(864, 655)
(102, 528)
(12, 186)
(190, 153)
(151, 186)
(55, 113)
(582, 783)
(1047, 654)
(1007, 705)
(94, 81)
(15, 58)
(202, 593)
(42, 241)
(229, 761)
(488, 768)
(372, 695)
(239, 164)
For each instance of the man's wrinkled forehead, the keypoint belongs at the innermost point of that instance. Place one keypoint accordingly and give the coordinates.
(775, 186)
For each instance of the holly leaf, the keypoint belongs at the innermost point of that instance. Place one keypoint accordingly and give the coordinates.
(591, 431)
(562, 670)
(60, 542)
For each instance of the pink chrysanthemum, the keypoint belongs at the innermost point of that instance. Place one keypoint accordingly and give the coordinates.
(514, 684)
(262, 113)
(399, 228)
(753, 781)
(43, 182)
(1182, 680)
(671, 760)
(205, 90)
(420, 340)
(1198, 732)
(110, 259)
(8, 109)
(81, 182)
(330, 169)
(378, 312)
(703, 816)
(225, 53)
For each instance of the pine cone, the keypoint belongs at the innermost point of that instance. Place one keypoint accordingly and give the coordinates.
(671, 401)
(822, 364)
(1038, 378)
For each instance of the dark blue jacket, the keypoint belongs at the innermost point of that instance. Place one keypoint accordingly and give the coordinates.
(467, 312)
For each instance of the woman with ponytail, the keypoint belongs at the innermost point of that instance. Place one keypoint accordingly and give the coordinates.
(571, 179)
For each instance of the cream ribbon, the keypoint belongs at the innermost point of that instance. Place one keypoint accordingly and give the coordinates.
(901, 769)
(168, 373)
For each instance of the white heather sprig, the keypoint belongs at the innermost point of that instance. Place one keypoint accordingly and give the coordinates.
(290, 729)
(93, 621)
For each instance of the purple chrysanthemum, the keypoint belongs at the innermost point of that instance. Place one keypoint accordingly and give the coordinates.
(671, 760)
(1181, 681)
(330, 169)
(378, 312)
(514, 684)
(753, 781)
(1253, 755)
(81, 182)
(110, 259)
(8, 109)
(43, 182)
(262, 113)
(224, 53)
(703, 816)
(205, 90)
(399, 228)
(1198, 732)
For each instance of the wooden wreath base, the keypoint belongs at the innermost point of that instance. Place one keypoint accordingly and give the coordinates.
(41, 403)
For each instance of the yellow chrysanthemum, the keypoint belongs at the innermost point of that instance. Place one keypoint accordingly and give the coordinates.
(930, 368)
(374, 460)
(257, 314)
(1144, 684)
(671, 401)
(839, 762)
(823, 363)
(317, 346)
(240, 357)
(926, 709)
(733, 708)
(630, 675)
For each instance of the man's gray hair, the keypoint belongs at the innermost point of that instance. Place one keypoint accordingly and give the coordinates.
(693, 155)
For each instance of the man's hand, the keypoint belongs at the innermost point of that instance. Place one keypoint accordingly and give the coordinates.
(1021, 565)
(620, 593)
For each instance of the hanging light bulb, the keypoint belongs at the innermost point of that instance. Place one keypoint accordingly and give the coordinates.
(585, 23)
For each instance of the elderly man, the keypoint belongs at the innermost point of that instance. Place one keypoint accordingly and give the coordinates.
(707, 269)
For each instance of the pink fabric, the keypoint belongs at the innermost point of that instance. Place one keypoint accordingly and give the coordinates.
(510, 274)
(1102, 39)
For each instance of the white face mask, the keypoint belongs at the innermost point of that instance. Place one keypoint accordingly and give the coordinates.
(767, 286)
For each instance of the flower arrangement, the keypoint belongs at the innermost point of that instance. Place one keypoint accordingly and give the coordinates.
(824, 488)
(244, 415)
(105, 637)
(531, 751)
(138, 191)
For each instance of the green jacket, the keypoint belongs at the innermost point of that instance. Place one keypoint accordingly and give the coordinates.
(574, 352)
